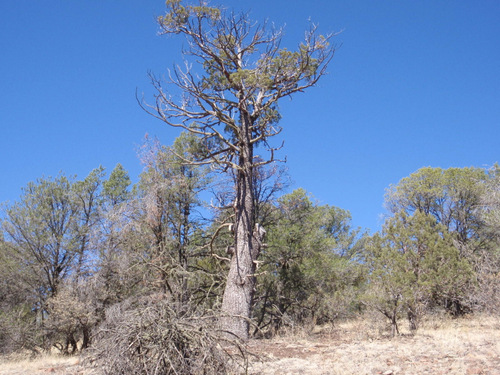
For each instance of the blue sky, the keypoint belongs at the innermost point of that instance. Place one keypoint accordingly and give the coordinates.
(412, 84)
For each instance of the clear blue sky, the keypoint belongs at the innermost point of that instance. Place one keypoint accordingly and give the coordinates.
(413, 84)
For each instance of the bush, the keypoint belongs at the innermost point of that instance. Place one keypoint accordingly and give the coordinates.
(149, 336)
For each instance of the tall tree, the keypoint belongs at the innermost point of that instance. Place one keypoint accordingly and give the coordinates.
(115, 188)
(87, 197)
(230, 101)
(168, 203)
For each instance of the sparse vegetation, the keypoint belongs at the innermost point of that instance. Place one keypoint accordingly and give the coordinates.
(208, 266)
(442, 345)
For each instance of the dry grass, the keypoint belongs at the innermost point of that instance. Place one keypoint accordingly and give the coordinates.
(361, 347)
(48, 364)
(441, 346)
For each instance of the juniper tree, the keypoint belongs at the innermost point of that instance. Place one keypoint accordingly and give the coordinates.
(454, 198)
(413, 262)
(235, 74)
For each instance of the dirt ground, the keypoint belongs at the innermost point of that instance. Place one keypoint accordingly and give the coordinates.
(464, 346)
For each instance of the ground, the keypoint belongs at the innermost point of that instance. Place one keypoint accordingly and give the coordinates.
(461, 347)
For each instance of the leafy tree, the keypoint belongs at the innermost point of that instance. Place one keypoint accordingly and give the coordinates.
(413, 262)
(490, 200)
(48, 240)
(306, 267)
(451, 195)
(17, 328)
(40, 232)
(116, 187)
(87, 197)
(230, 102)
(454, 198)
(117, 273)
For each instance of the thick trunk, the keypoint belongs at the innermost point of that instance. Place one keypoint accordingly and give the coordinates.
(240, 284)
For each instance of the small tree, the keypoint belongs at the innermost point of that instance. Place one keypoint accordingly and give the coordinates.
(413, 262)
(451, 196)
(306, 265)
(454, 197)
(48, 240)
(230, 101)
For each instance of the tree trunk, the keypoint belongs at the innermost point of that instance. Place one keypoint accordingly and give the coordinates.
(412, 319)
(240, 284)
(86, 337)
(394, 324)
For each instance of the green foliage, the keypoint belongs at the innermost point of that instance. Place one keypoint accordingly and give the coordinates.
(308, 264)
(491, 200)
(17, 327)
(451, 195)
(166, 214)
(178, 15)
(239, 73)
(48, 242)
(413, 263)
(116, 187)
(457, 199)
(229, 102)
(41, 230)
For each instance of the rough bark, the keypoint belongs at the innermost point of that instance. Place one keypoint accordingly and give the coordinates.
(240, 283)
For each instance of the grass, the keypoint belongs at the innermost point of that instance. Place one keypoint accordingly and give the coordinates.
(444, 346)
(46, 364)
(467, 346)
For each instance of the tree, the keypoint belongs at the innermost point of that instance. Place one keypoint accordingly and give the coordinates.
(490, 200)
(48, 240)
(454, 198)
(413, 262)
(40, 231)
(168, 201)
(117, 275)
(231, 104)
(115, 188)
(451, 195)
(17, 328)
(307, 264)
(87, 196)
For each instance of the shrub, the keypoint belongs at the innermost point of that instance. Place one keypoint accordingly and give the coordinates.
(149, 336)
